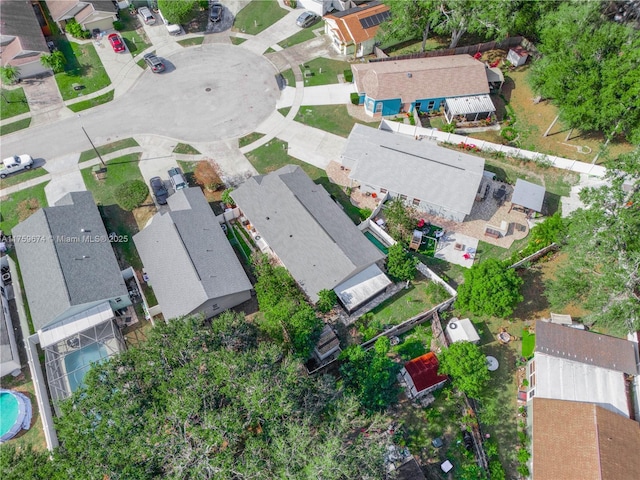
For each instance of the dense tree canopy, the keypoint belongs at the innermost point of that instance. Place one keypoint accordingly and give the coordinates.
(467, 366)
(590, 69)
(371, 375)
(489, 288)
(603, 247)
(208, 401)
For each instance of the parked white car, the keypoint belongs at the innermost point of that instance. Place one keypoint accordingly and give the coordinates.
(146, 15)
(15, 164)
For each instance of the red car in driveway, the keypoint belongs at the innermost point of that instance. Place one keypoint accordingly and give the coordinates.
(116, 42)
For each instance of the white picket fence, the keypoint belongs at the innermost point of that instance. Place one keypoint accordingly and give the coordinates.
(439, 136)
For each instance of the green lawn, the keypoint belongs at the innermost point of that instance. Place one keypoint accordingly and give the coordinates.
(289, 77)
(136, 40)
(108, 148)
(284, 111)
(249, 139)
(273, 155)
(238, 40)
(257, 16)
(185, 149)
(323, 71)
(22, 177)
(190, 42)
(528, 343)
(415, 46)
(83, 67)
(15, 126)
(302, 36)
(92, 102)
(414, 343)
(242, 241)
(487, 250)
(20, 205)
(12, 103)
(330, 118)
(119, 170)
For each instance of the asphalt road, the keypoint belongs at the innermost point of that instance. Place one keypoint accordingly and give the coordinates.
(208, 93)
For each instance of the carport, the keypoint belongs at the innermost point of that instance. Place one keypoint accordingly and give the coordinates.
(527, 197)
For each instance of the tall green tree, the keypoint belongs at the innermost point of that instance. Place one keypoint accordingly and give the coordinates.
(371, 375)
(602, 271)
(410, 19)
(177, 11)
(590, 69)
(467, 366)
(207, 400)
(401, 265)
(489, 288)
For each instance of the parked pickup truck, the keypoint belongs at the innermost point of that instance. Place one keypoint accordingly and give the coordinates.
(15, 164)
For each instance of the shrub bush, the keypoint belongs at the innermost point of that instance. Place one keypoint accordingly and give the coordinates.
(326, 301)
(509, 134)
(206, 175)
(74, 29)
(131, 194)
(348, 76)
(226, 197)
(449, 128)
(118, 25)
(355, 98)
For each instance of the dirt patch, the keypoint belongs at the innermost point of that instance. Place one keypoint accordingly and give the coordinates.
(143, 214)
(26, 208)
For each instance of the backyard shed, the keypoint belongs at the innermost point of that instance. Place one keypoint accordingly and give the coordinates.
(517, 56)
(527, 196)
(472, 108)
(462, 331)
(421, 375)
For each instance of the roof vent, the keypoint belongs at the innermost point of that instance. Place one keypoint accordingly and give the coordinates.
(409, 75)
(453, 326)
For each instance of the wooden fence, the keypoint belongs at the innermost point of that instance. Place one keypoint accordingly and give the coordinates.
(505, 44)
(534, 256)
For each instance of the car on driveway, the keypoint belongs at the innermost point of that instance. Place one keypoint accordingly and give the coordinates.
(155, 64)
(116, 42)
(306, 19)
(178, 181)
(146, 15)
(159, 190)
(216, 12)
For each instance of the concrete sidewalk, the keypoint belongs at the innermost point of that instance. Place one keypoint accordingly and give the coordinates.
(334, 94)
(281, 30)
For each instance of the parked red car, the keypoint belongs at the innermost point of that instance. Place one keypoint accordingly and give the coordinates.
(116, 42)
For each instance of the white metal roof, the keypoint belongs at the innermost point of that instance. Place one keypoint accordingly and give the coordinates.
(563, 379)
(462, 330)
(362, 286)
(528, 195)
(472, 104)
(76, 323)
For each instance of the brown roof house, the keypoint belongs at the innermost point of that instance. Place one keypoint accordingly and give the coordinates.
(91, 14)
(458, 83)
(353, 31)
(576, 365)
(22, 43)
(582, 441)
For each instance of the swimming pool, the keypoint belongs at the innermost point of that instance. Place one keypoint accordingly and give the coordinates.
(79, 362)
(376, 242)
(15, 414)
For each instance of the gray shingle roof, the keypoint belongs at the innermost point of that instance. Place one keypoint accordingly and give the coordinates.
(587, 347)
(312, 236)
(417, 169)
(19, 20)
(188, 257)
(66, 266)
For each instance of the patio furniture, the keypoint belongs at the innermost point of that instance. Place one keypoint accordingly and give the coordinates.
(500, 193)
(492, 363)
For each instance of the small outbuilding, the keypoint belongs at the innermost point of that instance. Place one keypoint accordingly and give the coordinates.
(517, 56)
(421, 375)
(527, 197)
(461, 331)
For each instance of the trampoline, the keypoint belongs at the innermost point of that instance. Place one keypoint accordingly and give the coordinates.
(16, 414)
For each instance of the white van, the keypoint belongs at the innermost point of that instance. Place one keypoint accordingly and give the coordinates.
(178, 181)
(146, 15)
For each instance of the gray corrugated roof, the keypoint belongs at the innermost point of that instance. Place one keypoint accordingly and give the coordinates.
(58, 273)
(528, 195)
(313, 237)
(587, 347)
(19, 20)
(417, 169)
(188, 257)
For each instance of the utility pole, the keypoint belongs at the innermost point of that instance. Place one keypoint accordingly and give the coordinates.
(94, 148)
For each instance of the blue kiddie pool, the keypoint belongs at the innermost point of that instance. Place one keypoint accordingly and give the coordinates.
(15, 414)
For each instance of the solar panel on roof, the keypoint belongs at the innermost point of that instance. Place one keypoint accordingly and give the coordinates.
(375, 20)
